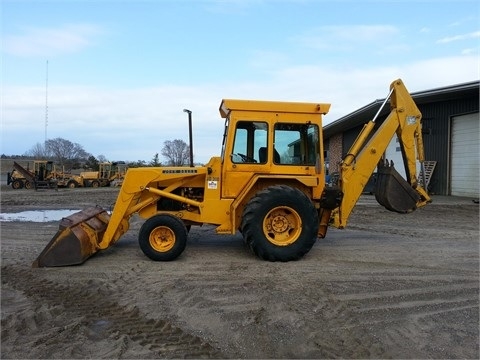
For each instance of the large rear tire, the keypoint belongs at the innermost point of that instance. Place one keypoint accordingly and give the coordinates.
(280, 223)
(163, 237)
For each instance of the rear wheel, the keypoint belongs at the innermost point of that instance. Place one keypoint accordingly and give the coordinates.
(280, 223)
(95, 184)
(163, 237)
(28, 185)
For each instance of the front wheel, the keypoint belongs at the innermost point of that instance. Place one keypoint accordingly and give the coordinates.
(163, 237)
(72, 184)
(17, 184)
(280, 223)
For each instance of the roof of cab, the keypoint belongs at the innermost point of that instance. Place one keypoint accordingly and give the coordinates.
(229, 105)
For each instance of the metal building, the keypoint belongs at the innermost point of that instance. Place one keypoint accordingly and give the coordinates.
(451, 135)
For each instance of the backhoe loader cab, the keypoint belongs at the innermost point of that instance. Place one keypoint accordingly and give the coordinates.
(268, 183)
(267, 141)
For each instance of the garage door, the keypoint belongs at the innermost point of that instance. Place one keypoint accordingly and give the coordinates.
(464, 157)
(394, 153)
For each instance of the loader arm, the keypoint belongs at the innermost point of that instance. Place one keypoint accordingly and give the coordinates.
(367, 152)
(83, 234)
(137, 193)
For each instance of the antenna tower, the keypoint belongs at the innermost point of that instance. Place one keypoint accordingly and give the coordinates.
(46, 104)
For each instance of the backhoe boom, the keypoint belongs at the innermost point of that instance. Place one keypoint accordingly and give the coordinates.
(359, 164)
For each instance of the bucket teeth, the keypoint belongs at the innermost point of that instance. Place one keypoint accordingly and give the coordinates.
(392, 191)
(76, 240)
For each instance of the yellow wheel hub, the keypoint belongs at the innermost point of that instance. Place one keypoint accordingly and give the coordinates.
(162, 239)
(282, 226)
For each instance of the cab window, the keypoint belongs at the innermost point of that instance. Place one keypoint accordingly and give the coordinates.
(250, 137)
(296, 144)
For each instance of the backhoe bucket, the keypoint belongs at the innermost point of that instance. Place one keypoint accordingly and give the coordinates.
(76, 240)
(392, 191)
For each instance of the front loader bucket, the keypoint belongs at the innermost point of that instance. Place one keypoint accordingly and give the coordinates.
(392, 191)
(76, 240)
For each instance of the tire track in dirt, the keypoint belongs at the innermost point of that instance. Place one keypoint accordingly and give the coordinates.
(422, 310)
(59, 307)
(388, 306)
(261, 316)
(362, 292)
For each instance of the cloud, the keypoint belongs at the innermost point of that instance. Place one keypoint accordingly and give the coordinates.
(122, 124)
(35, 41)
(469, 51)
(132, 124)
(468, 36)
(350, 36)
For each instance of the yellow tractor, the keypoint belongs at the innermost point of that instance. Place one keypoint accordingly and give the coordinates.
(107, 174)
(42, 176)
(268, 183)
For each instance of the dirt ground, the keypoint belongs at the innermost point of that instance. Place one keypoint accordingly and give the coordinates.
(388, 286)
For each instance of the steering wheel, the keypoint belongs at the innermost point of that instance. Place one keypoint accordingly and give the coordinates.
(246, 159)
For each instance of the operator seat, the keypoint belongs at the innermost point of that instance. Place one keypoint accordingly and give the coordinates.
(262, 155)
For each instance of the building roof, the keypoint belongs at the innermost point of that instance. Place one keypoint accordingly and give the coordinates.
(367, 113)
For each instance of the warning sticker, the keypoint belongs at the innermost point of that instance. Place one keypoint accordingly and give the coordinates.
(212, 184)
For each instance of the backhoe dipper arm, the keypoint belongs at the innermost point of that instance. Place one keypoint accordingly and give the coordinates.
(362, 159)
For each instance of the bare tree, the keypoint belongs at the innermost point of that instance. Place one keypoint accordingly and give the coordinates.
(102, 158)
(176, 151)
(38, 152)
(66, 153)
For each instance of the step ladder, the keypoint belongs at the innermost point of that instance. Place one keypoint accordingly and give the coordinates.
(429, 166)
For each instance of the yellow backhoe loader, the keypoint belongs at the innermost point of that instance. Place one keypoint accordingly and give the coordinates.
(268, 183)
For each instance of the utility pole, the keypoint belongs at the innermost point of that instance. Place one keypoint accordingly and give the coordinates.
(190, 134)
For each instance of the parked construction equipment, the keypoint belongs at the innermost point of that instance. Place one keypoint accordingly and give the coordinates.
(42, 176)
(268, 183)
(45, 174)
(107, 174)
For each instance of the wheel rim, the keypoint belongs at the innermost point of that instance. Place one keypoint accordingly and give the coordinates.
(162, 239)
(28, 186)
(16, 185)
(282, 226)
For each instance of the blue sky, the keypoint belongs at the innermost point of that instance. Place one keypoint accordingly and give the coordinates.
(121, 72)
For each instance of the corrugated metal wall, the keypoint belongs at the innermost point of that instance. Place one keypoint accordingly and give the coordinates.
(436, 137)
